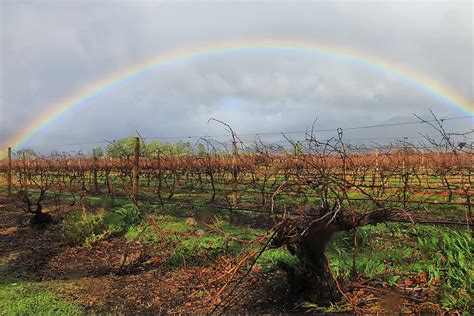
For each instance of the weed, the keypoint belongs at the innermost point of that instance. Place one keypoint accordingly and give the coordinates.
(451, 250)
(79, 227)
(198, 249)
(134, 233)
(128, 215)
(393, 252)
(271, 257)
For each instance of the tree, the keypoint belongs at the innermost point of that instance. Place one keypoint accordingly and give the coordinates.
(26, 153)
(124, 147)
(201, 150)
(298, 149)
(182, 149)
(99, 152)
(155, 148)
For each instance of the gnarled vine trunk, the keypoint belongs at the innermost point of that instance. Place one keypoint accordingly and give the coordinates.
(313, 280)
(39, 218)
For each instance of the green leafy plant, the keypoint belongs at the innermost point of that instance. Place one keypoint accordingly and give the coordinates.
(81, 226)
(129, 215)
(134, 232)
(451, 253)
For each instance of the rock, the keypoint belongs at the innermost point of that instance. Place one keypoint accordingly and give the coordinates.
(200, 232)
(191, 221)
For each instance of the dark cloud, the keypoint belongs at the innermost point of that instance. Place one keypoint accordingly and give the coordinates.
(51, 49)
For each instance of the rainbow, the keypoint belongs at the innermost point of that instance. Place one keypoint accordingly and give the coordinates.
(97, 88)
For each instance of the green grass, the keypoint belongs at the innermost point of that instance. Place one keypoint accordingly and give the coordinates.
(391, 253)
(190, 249)
(167, 229)
(271, 257)
(173, 225)
(182, 244)
(388, 253)
(86, 227)
(200, 249)
(27, 298)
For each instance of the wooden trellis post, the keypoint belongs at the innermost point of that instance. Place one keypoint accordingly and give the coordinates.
(9, 171)
(234, 173)
(135, 170)
(94, 171)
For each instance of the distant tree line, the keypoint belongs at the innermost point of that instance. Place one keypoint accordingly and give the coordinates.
(125, 147)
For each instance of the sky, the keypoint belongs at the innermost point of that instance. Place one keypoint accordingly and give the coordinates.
(51, 49)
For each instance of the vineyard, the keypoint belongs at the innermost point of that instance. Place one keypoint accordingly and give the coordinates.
(265, 183)
(336, 228)
(236, 157)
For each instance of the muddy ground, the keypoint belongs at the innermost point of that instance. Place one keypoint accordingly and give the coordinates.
(87, 276)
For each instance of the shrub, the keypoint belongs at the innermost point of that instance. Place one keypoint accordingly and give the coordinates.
(128, 215)
(78, 228)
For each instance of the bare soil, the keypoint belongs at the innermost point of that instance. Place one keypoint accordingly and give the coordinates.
(86, 276)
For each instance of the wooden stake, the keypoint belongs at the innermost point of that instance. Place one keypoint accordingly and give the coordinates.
(9, 171)
(94, 171)
(135, 170)
(234, 173)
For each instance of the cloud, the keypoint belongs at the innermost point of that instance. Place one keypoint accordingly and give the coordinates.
(51, 49)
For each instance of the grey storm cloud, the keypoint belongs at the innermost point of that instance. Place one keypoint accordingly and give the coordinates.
(50, 49)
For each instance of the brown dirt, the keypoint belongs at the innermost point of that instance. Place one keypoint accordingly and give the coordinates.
(86, 276)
